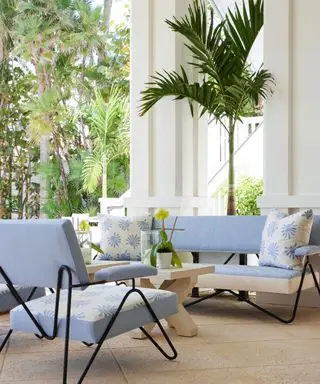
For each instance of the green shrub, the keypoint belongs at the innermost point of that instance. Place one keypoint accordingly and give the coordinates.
(247, 193)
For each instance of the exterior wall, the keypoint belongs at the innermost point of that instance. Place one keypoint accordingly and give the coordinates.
(168, 146)
(291, 134)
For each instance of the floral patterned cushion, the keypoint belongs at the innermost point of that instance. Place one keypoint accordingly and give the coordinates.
(92, 309)
(120, 236)
(281, 236)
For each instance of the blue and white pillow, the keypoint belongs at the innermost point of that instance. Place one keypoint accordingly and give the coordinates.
(120, 236)
(281, 235)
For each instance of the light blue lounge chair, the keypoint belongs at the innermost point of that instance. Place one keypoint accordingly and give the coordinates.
(47, 254)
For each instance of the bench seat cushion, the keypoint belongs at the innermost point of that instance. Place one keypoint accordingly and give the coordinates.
(92, 310)
(7, 301)
(254, 278)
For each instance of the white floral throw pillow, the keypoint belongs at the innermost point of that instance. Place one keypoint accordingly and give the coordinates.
(120, 236)
(281, 236)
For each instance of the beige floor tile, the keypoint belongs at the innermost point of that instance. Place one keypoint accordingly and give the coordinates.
(246, 354)
(25, 343)
(46, 381)
(287, 374)
(209, 376)
(48, 366)
(149, 359)
(210, 334)
(303, 330)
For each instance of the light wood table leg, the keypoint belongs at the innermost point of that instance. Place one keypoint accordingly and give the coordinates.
(181, 321)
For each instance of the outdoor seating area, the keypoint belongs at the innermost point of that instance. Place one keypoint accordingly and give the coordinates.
(159, 193)
(94, 318)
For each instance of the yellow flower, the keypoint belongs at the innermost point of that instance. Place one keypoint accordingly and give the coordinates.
(161, 214)
(84, 226)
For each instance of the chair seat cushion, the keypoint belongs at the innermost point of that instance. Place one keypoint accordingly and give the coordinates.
(92, 310)
(256, 279)
(124, 272)
(7, 301)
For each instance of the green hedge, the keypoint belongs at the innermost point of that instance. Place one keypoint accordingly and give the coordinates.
(247, 193)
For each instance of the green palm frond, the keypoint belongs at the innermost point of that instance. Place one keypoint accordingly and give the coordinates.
(220, 53)
(203, 41)
(174, 84)
(243, 27)
(260, 85)
(92, 171)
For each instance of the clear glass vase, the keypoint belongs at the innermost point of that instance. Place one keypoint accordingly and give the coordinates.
(148, 239)
(84, 239)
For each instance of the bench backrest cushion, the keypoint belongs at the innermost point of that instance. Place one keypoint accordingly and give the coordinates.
(239, 234)
(32, 251)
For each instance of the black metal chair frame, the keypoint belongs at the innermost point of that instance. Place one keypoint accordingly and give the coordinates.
(307, 264)
(42, 334)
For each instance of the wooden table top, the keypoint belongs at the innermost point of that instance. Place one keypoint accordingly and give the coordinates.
(187, 270)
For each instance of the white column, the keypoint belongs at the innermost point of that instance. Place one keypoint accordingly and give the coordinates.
(168, 146)
(291, 133)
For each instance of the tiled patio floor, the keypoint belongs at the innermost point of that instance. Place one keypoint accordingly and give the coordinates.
(235, 345)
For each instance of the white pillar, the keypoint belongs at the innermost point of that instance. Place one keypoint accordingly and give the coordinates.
(168, 146)
(291, 133)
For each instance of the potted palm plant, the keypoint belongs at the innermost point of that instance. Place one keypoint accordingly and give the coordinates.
(228, 82)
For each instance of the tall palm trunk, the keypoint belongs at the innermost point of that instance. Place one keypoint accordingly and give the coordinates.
(107, 6)
(104, 177)
(44, 139)
(231, 207)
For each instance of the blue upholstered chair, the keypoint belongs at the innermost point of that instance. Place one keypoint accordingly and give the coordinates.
(8, 301)
(47, 254)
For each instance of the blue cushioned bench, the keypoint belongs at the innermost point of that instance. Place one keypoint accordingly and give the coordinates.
(241, 235)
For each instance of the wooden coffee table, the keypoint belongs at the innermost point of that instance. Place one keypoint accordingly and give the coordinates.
(181, 281)
(96, 266)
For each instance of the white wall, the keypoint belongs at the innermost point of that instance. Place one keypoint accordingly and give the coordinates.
(292, 134)
(168, 146)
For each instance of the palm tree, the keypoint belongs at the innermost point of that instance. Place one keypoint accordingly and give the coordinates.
(107, 7)
(86, 43)
(39, 29)
(7, 12)
(228, 81)
(109, 127)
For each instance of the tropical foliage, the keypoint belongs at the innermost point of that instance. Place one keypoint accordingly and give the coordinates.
(247, 193)
(227, 82)
(60, 61)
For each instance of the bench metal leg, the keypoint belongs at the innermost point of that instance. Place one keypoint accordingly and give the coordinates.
(295, 307)
(195, 291)
(243, 260)
(203, 298)
(267, 312)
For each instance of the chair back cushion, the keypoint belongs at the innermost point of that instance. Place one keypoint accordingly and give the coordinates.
(32, 251)
(281, 236)
(120, 236)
